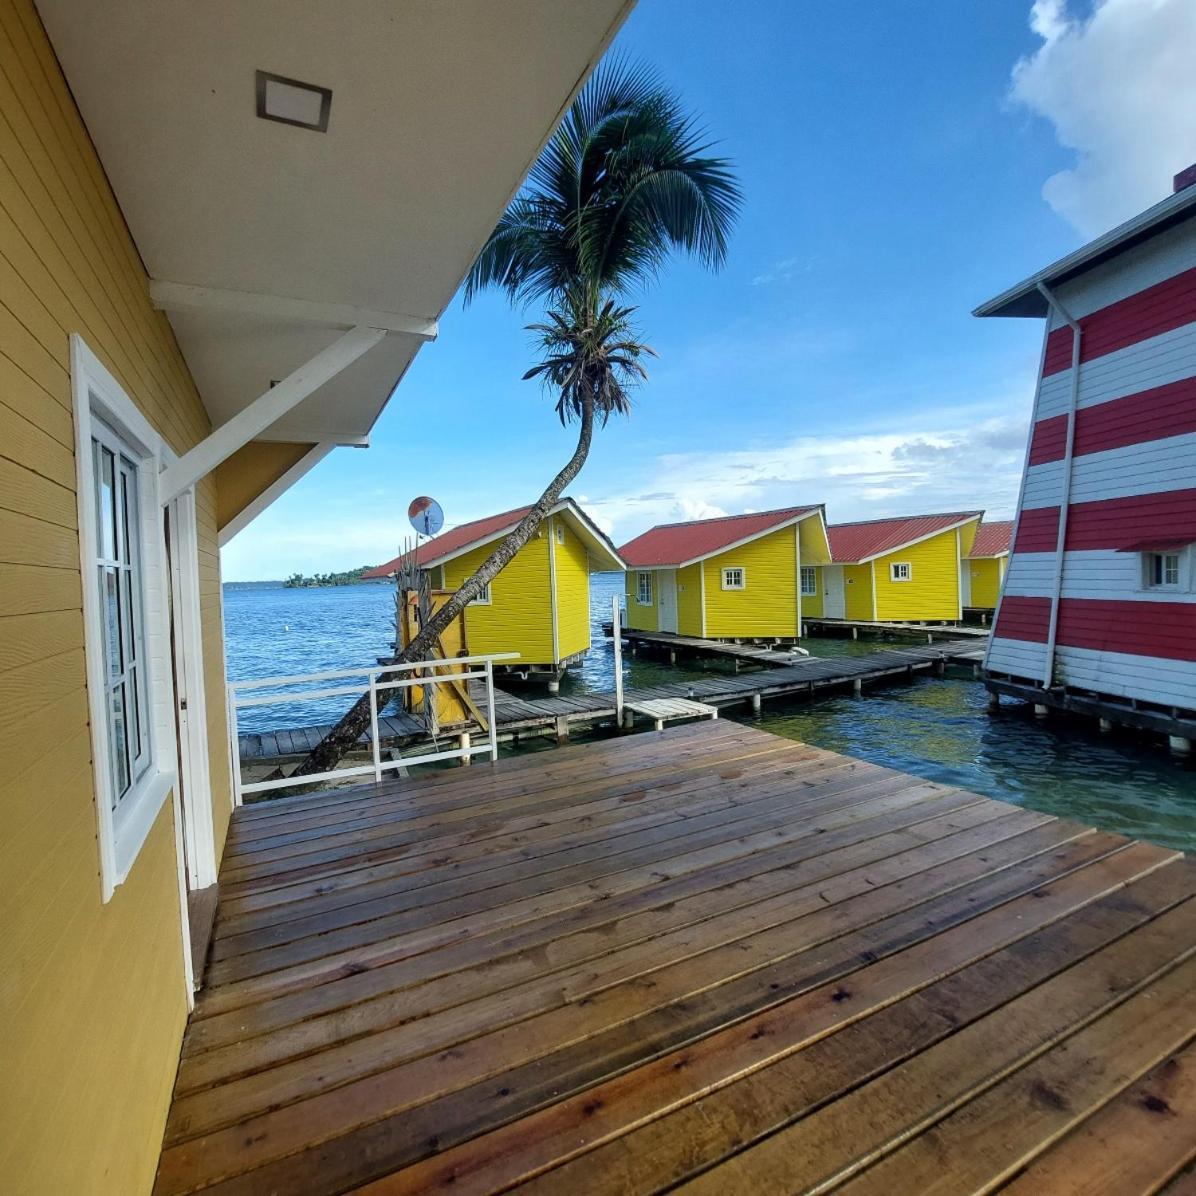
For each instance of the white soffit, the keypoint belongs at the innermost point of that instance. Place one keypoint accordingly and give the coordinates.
(437, 112)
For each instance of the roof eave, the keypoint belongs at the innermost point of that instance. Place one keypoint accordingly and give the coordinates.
(1026, 300)
(875, 556)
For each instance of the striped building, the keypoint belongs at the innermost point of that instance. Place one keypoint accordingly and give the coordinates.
(1099, 601)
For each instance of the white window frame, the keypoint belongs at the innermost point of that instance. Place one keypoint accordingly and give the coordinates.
(810, 571)
(559, 532)
(485, 598)
(896, 571)
(644, 585)
(102, 409)
(1182, 580)
(728, 582)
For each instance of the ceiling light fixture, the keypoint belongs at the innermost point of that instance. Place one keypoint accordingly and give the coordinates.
(292, 102)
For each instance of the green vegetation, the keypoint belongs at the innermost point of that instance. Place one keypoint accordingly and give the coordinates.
(297, 581)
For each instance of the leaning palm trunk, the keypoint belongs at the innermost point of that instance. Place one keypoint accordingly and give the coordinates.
(326, 754)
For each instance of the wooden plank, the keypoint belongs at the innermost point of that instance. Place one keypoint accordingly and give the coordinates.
(1156, 1115)
(657, 1126)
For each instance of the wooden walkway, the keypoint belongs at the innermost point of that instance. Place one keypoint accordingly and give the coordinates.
(710, 960)
(931, 631)
(805, 676)
(694, 646)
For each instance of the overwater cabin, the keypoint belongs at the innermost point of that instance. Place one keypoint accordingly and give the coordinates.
(225, 231)
(735, 577)
(539, 605)
(906, 569)
(984, 567)
(1099, 606)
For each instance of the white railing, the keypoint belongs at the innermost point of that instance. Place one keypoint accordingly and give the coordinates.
(455, 670)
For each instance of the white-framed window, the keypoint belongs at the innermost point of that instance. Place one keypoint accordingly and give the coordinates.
(484, 597)
(734, 578)
(809, 580)
(559, 531)
(901, 571)
(1163, 570)
(643, 589)
(126, 629)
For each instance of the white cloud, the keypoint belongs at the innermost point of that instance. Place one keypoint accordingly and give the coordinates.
(783, 271)
(1119, 85)
(941, 466)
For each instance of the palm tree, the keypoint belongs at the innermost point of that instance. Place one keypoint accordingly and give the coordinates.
(624, 180)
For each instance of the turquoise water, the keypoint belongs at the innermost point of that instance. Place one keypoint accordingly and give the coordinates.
(938, 729)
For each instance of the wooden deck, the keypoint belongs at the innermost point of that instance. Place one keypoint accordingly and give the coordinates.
(707, 959)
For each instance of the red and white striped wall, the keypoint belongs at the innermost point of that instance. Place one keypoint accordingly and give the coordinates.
(1133, 484)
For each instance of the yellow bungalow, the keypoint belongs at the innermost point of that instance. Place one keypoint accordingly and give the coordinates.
(736, 577)
(984, 571)
(205, 286)
(904, 569)
(539, 605)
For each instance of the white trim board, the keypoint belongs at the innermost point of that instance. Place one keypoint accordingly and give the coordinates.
(875, 556)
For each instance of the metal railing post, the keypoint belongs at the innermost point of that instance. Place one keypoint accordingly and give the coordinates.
(491, 721)
(616, 632)
(375, 744)
(235, 737)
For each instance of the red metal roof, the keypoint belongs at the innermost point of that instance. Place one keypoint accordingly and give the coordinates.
(992, 539)
(671, 544)
(454, 540)
(851, 542)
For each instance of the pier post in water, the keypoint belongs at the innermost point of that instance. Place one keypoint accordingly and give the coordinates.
(756, 705)
(857, 687)
(1180, 745)
(562, 728)
(463, 745)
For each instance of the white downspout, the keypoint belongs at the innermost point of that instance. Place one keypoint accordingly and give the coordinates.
(1048, 670)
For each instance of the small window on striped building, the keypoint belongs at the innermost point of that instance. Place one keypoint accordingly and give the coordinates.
(1162, 570)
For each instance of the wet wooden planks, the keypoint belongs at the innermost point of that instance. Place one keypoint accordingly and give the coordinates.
(707, 959)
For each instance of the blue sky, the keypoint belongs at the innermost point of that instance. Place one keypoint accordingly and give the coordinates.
(901, 163)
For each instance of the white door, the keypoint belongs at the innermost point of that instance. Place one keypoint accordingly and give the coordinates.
(834, 598)
(190, 708)
(965, 583)
(667, 601)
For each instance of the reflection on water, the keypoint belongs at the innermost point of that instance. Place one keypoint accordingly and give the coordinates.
(937, 729)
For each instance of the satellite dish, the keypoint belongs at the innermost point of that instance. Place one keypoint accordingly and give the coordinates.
(426, 516)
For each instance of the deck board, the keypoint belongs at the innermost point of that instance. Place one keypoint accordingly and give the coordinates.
(707, 957)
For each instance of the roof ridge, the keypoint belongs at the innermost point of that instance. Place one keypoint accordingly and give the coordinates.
(812, 506)
(899, 518)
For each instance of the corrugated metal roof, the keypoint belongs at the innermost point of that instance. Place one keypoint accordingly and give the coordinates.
(670, 544)
(992, 539)
(1025, 299)
(454, 541)
(852, 542)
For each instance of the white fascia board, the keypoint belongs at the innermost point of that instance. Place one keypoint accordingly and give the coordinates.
(589, 530)
(181, 296)
(910, 543)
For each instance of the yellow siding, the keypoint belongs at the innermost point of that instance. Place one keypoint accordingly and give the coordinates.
(250, 472)
(641, 618)
(987, 573)
(519, 617)
(815, 550)
(93, 1002)
(768, 604)
(572, 591)
(857, 590)
(689, 600)
(933, 589)
(811, 604)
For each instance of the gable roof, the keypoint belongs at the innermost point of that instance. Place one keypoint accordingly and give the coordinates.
(466, 536)
(855, 543)
(992, 539)
(672, 545)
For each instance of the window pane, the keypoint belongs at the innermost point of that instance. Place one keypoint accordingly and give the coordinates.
(111, 597)
(105, 501)
(118, 745)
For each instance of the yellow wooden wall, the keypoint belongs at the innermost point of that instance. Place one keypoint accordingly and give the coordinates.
(572, 562)
(642, 618)
(812, 604)
(857, 590)
(689, 600)
(92, 1001)
(519, 617)
(933, 589)
(250, 472)
(768, 606)
(987, 574)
